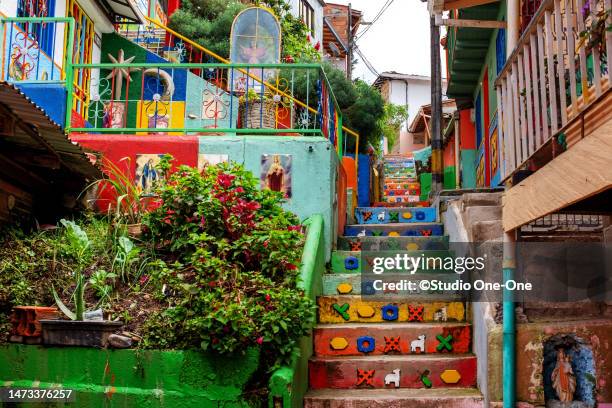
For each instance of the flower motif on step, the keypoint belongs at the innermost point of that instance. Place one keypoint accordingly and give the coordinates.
(390, 312)
(351, 263)
(366, 344)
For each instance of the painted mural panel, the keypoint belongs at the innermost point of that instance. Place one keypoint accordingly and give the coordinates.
(146, 173)
(210, 159)
(276, 173)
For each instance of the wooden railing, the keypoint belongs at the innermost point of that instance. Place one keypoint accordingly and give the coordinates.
(559, 67)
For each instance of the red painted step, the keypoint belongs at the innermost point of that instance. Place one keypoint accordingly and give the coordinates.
(415, 371)
(399, 398)
(330, 339)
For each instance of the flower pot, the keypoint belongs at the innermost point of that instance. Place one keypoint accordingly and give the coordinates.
(258, 114)
(78, 332)
(134, 230)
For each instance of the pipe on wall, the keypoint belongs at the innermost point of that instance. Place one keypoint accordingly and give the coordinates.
(509, 324)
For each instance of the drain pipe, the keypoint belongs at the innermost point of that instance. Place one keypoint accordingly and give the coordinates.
(509, 326)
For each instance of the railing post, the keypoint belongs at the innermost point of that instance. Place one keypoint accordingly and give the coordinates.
(69, 75)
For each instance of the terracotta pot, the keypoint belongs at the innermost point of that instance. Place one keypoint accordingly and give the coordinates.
(88, 333)
(134, 230)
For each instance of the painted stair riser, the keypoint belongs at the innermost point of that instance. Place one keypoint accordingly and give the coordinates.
(377, 215)
(409, 230)
(344, 308)
(393, 185)
(402, 191)
(414, 372)
(404, 199)
(386, 204)
(353, 261)
(356, 284)
(391, 401)
(392, 243)
(401, 180)
(400, 339)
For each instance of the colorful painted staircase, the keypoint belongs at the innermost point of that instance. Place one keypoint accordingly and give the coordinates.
(409, 351)
(401, 186)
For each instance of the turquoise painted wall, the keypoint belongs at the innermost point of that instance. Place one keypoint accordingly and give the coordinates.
(468, 168)
(208, 106)
(314, 171)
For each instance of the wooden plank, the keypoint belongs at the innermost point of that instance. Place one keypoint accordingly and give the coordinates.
(536, 92)
(522, 109)
(596, 57)
(452, 22)
(542, 81)
(584, 79)
(459, 4)
(509, 134)
(560, 62)
(515, 116)
(571, 53)
(501, 129)
(529, 98)
(608, 6)
(552, 86)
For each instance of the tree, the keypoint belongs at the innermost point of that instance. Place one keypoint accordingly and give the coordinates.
(391, 122)
(364, 115)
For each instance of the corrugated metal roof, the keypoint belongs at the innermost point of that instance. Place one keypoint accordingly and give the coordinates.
(52, 137)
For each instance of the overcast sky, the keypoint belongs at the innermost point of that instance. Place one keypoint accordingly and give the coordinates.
(398, 40)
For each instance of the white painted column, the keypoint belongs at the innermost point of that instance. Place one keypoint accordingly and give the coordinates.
(512, 33)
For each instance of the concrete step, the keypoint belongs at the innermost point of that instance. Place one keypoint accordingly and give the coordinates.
(405, 230)
(351, 308)
(358, 284)
(378, 215)
(370, 243)
(350, 339)
(415, 371)
(351, 261)
(395, 398)
(482, 199)
(402, 199)
(487, 230)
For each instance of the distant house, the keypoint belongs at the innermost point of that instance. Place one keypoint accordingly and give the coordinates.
(411, 91)
(336, 33)
(311, 13)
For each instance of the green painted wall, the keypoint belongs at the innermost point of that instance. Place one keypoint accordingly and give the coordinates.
(449, 178)
(425, 180)
(468, 168)
(131, 378)
(313, 174)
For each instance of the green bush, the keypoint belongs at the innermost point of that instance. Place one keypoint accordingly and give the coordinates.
(228, 265)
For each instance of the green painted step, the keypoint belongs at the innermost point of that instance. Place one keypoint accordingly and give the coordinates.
(351, 261)
(353, 284)
(370, 243)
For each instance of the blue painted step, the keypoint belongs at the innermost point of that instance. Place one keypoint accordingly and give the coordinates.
(404, 215)
(397, 230)
(391, 243)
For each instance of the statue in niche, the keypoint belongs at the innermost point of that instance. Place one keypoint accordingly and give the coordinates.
(563, 378)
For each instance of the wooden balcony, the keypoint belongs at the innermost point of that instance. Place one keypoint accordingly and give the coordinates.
(554, 88)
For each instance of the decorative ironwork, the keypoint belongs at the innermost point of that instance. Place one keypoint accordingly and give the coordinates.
(25, 54)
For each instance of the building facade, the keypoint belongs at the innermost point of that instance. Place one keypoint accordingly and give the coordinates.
(311, 13)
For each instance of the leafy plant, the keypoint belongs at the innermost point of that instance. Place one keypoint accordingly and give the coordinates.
(78, 246)
(391, 122)
(127, 255)
(102, 283)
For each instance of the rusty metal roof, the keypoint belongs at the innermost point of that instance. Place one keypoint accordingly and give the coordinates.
(33, 132)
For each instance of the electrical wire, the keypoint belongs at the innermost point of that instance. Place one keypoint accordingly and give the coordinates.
(378, 15)
(366, 61)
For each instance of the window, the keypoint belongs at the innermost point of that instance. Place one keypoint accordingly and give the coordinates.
(307, 15)
(41, 32)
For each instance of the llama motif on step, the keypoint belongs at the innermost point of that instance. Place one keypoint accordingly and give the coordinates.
(393, 377)
(419, 343)
(381, 216)
(440, 315)
(362, 233)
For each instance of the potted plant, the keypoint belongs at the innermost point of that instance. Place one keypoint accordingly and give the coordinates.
(77, 331)
(258, 110)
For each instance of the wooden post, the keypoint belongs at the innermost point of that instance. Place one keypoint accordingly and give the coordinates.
(349, 36)
(512, 13)
(436, 108)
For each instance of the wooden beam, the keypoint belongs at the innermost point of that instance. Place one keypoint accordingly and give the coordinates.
(452, 22)
(459, 4)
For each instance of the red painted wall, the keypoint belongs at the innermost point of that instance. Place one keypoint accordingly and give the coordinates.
(348, 163)
(467, 131)
(117, 148)
(449, 152)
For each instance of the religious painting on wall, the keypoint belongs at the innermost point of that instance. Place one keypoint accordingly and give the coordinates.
(208, 159)
(480, 172)
(276, 173)
(494, 145)
(255, 39)
(146, 172)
